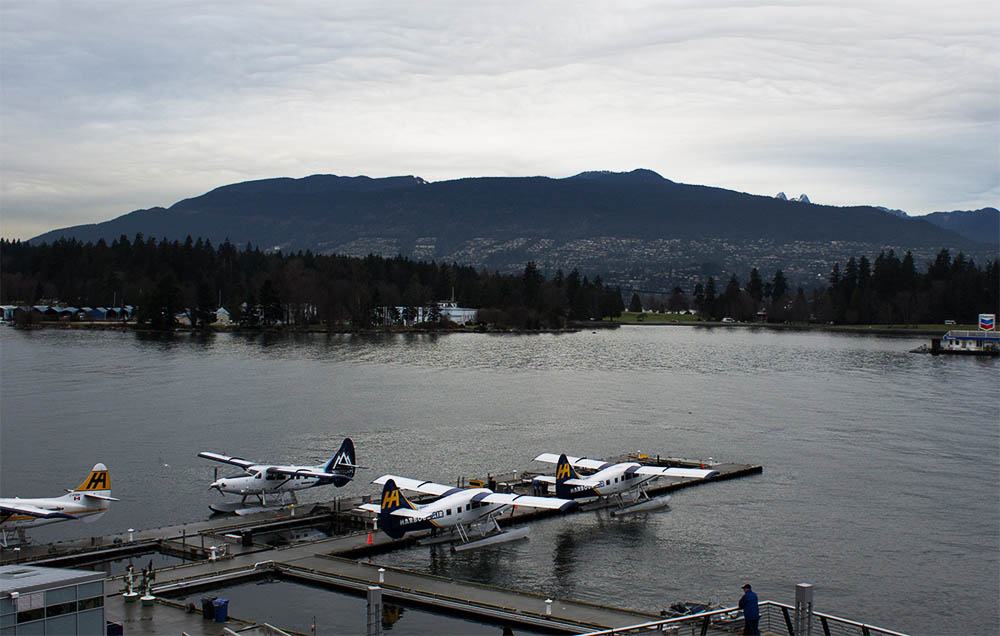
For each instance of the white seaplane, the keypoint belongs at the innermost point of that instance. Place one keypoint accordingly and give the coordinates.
(623, 482)
(88, 501)
(462, 510)
(276, 480)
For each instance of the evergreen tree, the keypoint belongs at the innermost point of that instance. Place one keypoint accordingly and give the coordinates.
(779, 287)
(755, 288)
(270, 304)
(708, 310)
(699, 298)
(532, 280)
(678, 301)
(635, 305)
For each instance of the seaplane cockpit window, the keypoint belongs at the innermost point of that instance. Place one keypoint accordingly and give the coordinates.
(448, 511)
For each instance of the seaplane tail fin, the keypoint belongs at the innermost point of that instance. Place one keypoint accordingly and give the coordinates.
(392, 499)
(564, 472)
(343, 464)
(98, 481)
(96, 488)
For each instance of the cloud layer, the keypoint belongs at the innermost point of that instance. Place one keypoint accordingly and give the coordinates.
(113, 106)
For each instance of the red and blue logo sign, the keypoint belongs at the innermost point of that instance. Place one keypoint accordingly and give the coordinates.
(987, 322)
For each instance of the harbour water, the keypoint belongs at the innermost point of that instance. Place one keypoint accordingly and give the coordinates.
(881, 468)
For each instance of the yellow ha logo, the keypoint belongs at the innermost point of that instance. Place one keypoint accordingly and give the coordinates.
(391, 499)
(563, 471)
(97, 481)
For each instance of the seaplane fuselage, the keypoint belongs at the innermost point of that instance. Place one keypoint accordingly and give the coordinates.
(88, 502)
(261, 480)
(609, 479)
(458, 508)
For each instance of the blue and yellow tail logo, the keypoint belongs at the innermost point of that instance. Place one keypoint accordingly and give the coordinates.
(390, 499)
(393, 499)
(98, 479)
(563, 472)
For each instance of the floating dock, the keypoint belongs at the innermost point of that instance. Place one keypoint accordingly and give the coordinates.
(229, 550)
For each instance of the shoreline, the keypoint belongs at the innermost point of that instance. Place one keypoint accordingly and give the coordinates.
(879, 330)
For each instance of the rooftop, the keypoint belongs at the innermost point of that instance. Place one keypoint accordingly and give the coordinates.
(28, 578)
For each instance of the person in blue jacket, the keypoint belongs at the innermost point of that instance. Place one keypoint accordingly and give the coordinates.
(751, 613)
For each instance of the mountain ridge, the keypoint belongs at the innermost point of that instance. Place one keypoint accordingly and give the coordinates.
(607, 222)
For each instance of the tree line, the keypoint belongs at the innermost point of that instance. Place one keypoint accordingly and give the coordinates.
(890, 291)
(259, 289)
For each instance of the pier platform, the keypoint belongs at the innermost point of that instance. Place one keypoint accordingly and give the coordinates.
(226, 550)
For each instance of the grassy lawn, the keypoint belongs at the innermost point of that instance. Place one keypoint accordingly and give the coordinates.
(653, 318)
(632, 317)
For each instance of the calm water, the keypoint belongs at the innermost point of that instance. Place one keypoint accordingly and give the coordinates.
(881, 468)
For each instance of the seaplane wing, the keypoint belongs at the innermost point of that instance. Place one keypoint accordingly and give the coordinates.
(575, 462)
(549, 479)
(408, 513)
(630, 467)
(11, 508)
(688, 473)
(226, 459)
(527, 500)
(418, 485)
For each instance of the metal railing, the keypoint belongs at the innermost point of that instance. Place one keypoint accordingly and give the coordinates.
(776, 619)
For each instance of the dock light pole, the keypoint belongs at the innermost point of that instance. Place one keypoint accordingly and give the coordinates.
(803, 609)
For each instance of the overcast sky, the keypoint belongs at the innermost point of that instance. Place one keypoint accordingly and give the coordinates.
(111, 106)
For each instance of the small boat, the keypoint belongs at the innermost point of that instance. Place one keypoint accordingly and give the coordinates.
(969, 343)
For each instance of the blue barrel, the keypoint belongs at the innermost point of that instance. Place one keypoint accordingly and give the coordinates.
(221, 608)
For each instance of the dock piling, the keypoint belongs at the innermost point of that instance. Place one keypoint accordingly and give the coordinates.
(803, 609)
(374, 611)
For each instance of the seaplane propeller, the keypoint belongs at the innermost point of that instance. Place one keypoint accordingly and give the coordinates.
(215, 481)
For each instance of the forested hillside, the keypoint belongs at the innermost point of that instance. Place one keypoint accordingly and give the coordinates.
(163, 278)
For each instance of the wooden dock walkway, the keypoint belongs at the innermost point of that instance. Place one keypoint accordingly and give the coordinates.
(313, 563)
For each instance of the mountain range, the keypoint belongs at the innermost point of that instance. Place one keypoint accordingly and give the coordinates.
(635, 229)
